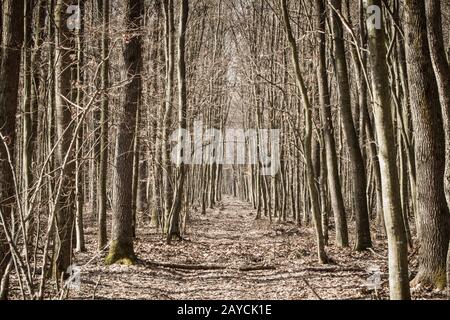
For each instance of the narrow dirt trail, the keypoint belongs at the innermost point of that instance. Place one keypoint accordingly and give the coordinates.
(232, 243)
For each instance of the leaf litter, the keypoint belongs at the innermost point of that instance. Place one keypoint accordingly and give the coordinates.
(229, 255)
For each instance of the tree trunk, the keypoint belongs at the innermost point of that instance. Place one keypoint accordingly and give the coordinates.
(442, 73)
(167, 118)
(27, 148)
(79, 100)
(64, 51)
(334, 182)
(357, 167)
(174, 217)
(314, 197)
(432, 209)
(12, 39)
(393, 216)
(102, 237)
(121, 250)
(155, 119)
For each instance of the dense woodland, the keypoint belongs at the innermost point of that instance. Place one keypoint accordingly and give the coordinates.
(94, 95)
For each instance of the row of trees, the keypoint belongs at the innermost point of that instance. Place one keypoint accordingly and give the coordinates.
(361, 96)
(92, 91)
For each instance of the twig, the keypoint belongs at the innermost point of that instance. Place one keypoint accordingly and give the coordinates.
(322, 269)
(96, 286)
(376, 253)
(312, 289)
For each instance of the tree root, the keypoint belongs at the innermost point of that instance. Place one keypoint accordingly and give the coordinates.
(207, 267)
(324, 269)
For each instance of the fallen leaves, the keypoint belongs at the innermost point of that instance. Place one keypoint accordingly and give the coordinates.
(232, 256)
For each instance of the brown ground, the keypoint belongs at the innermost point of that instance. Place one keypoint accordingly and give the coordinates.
(230, 238)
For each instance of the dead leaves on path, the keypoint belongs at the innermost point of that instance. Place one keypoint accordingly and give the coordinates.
(231, 256)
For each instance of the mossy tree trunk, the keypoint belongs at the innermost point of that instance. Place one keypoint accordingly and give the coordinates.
(121, 249)
(432, 210)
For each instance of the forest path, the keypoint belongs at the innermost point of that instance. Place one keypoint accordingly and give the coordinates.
(226, 245)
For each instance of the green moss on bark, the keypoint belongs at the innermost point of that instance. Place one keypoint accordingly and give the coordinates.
(121, 253)
(434, 280)
(154, 217)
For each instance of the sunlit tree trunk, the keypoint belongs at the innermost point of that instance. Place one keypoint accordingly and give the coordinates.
(167, 118)
(334, 182)
(432, 210)
(174, 217)
(78, 98)
(121, 249)
(64, 51)
(308, 137)
(393, 216)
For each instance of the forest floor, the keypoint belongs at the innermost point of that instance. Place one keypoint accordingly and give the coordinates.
(229, 255)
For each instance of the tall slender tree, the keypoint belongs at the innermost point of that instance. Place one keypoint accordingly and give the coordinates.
(334, 182)
(398, 251)
(27, 138)
(78, 98)
(356, 163)
(314, 197)
(103, 6)
(174, 217)
(65, 53)
(12, 40)
(169, 31)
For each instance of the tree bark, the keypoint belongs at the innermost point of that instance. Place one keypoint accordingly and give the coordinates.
(174, 217)
(314, 197)
(102, 237)
(79, 100)
(357, 167)
(393, 216)
(432, 210)
(121, 250)
(168, 106)
(442, 73)
(64, 51)
(12, 39)
(334, 182)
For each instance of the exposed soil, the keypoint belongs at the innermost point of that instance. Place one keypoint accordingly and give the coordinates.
(229, 255)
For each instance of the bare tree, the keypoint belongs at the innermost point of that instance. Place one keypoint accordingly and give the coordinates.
(12, 39)
(398, 251)
(308, 136)
(432, 210)
(121, 248)
(174, 217)
(357, 166)
(334, 182)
